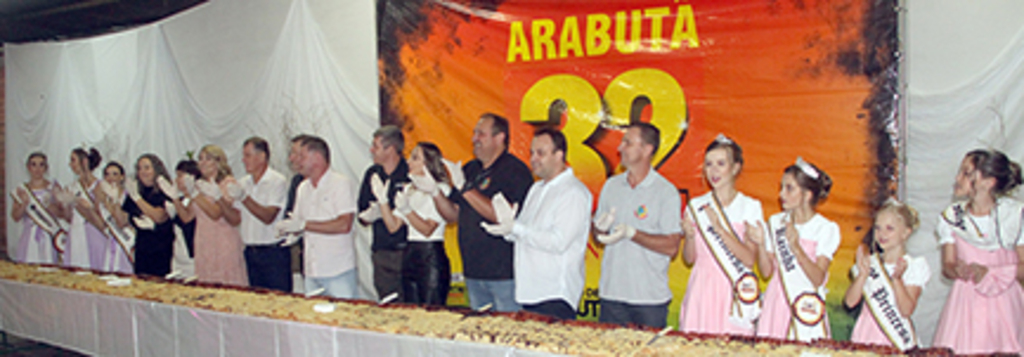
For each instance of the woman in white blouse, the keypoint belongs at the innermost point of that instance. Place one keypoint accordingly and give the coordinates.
(426, 272)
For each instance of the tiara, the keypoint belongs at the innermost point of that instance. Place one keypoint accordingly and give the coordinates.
(807, 168)
(893, 201)
(721, 138)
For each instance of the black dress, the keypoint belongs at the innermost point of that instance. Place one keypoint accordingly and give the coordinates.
(153, 248)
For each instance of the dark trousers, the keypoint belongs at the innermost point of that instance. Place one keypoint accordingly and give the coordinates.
(622, 313)
(555, 308)
(387, 272)
(426, 273)
(269, 266)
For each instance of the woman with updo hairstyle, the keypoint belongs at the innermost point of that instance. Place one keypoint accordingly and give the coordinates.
(36, 245)
(426, 272)
(218, 244)
(802, 189)
(982, 251)
(87, 244)
(710, 292)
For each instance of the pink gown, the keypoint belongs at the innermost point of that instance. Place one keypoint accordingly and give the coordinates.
(708, 299)
(866, 329)
(775, 314)
(987, 317)
(218, 251)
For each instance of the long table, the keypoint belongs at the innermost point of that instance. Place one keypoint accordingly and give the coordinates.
(104, 325)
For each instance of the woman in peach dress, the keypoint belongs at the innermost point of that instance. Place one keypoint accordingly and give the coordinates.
(218, 244)
(802, 188)
(709, 297)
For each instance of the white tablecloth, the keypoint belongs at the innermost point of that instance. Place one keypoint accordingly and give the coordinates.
(115, 326)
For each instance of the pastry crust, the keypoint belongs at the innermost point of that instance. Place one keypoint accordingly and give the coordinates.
(520, 330)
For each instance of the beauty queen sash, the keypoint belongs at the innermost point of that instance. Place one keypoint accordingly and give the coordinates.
(746, 294)
(806, 306)
(881, 301)
(39, 215)
(1008, 215)
(123, 239)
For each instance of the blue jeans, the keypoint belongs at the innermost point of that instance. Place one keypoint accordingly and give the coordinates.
(501, 294)
(343, 285)
(269, 266)
(556, 308)
(622, 313)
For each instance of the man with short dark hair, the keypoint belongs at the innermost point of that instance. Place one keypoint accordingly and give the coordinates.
(388, 248)
(638, 220)
(551, 232)
(293, 157)
(486, 259)
(257, 199)
(324, 211)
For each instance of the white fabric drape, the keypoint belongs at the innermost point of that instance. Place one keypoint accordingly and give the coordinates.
(216, 74)
(986, 112)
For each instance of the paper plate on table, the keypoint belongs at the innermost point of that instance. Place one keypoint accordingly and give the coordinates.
(119, 282)
(323, 307)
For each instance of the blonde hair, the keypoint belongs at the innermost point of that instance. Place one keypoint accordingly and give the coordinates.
(218, 155)
(902, 210)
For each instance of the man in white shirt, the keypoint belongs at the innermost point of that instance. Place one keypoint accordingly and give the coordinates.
(258, 198)
(638, 220)
(550, 235)
(325, 207)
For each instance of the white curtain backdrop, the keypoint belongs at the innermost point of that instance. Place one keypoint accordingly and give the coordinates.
(986, 112)
(216, 74)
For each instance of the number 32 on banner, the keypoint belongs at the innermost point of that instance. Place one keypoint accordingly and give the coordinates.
(583, 111)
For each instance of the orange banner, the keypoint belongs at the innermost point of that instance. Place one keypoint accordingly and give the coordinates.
(782, 78)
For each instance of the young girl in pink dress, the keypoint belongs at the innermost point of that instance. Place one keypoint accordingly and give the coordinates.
(709, 297)
(802, 188)
(982, 249)
(36, 245)
(218, 245)
(894, 223)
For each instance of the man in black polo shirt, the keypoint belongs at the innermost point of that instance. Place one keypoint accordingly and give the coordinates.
(388, 248)
(486, 259)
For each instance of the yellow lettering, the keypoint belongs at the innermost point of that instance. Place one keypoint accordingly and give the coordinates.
(685, 28)
(667, 101)
(598, 40)
(543, 31)
(517, 44)
(621, 44)
(582, 116)
(570, 39)
(656, 14)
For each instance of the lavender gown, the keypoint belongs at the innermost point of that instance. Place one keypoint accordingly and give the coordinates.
(35, 245)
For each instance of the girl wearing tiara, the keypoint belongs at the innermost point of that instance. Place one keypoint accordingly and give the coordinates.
(982, 251)
(36, 244)
(903, 279)
(111, 193)
(87, 245)
(795, 255)
(715, 228)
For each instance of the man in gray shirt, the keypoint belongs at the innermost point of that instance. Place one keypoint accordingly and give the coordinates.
(638, 220)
